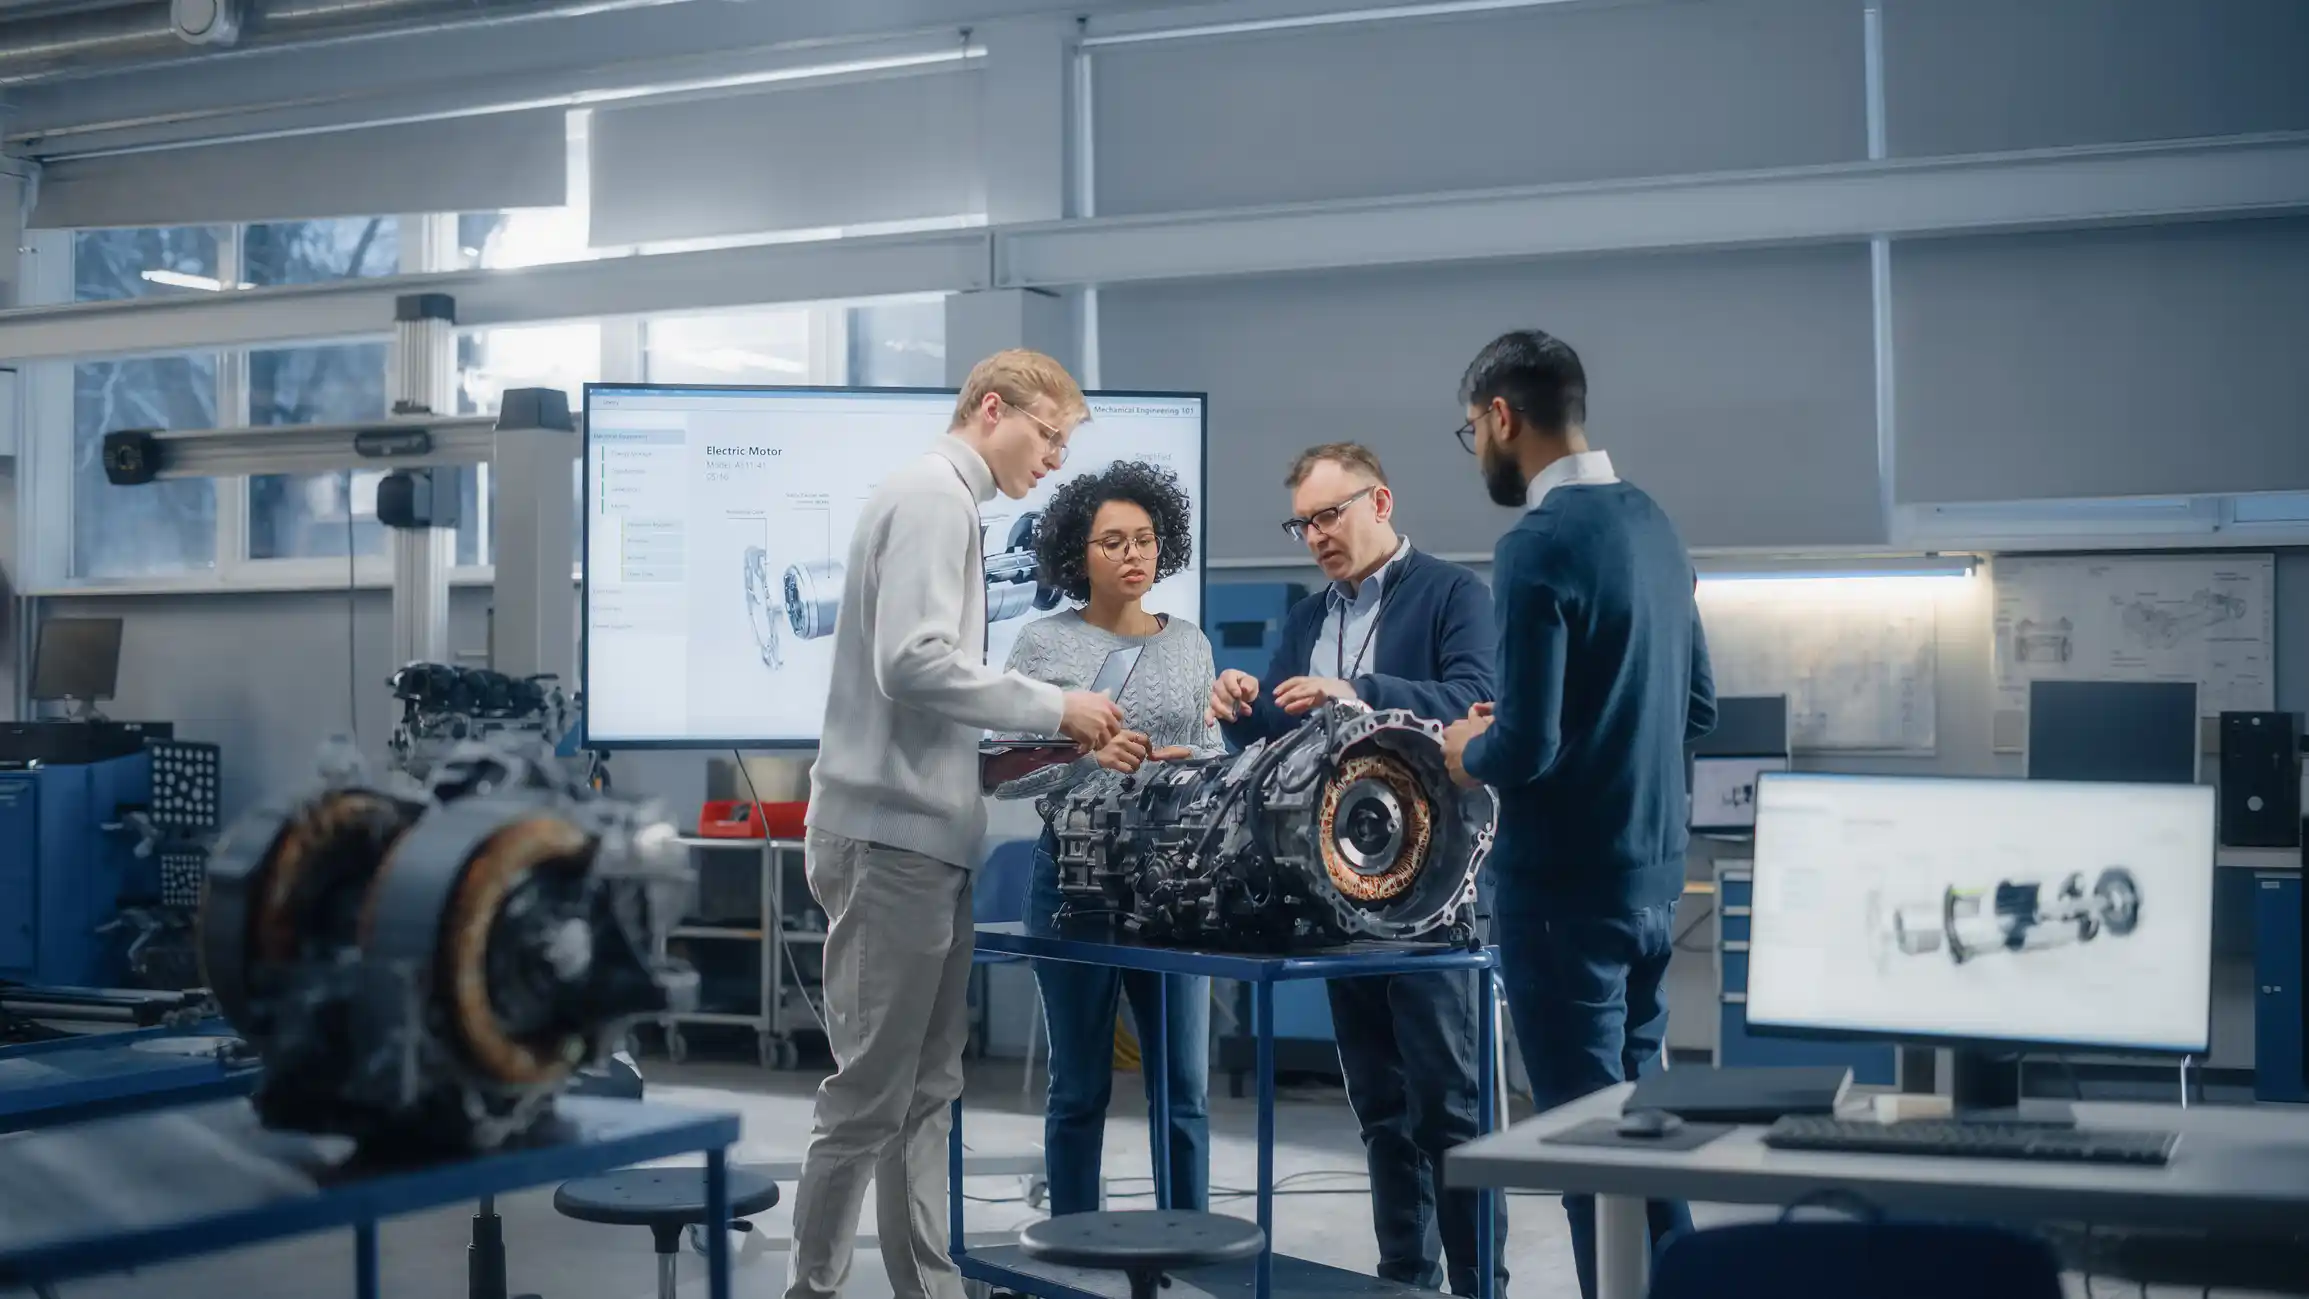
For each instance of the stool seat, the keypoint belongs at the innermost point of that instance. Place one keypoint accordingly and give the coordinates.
(665, 1200)
(1141, 1240)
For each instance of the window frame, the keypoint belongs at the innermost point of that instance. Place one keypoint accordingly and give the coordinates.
(428, 243)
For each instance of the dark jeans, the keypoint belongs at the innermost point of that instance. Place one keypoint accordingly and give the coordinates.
(1079, 1003)
(1590, 1008)
(1407, 1046)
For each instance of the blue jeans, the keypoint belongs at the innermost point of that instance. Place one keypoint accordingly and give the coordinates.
(1590, 1008)
(1079, 1003)
(1407, 1048)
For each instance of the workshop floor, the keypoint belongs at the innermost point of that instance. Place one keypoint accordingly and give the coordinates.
(424, 1257)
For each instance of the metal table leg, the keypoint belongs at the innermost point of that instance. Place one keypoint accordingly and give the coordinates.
(718, 1223)
(1263, 1026)
(1623, 1247)
(365, 1260)
(1156, 1060)
(1487, 1242)
(954, 1181)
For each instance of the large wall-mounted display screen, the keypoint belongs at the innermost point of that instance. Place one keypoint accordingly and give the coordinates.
(717, 525)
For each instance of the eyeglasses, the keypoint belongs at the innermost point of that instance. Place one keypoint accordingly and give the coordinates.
(1325, 519)
(1466, 435)
(1052, 439)
(1116, 546)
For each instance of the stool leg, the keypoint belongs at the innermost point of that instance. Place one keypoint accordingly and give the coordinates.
(1144, 1282)
(665, 1276)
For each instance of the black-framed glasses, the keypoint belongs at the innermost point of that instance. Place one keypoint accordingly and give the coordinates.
(1466, 435)
(1323, 520)
(1116, 546)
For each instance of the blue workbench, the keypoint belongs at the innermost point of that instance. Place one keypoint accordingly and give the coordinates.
(75, 1079)
(1271, 1275)
(146, 1189)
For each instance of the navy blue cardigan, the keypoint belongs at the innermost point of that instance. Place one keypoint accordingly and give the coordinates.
(1432, 653)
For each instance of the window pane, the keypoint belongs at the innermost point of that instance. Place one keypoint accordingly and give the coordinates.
(314, 252)
(166, 527)
(305, 516)
(108, 265)
(489, 361)
(531, 236)
(899, 344)
(728, 347)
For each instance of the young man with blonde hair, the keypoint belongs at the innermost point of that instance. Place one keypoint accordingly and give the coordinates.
(895, 818)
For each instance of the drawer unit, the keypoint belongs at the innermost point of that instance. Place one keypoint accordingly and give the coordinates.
(2278, 1058)
(1871, 1063)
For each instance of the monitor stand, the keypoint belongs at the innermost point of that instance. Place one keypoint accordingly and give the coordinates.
(1985, 1088)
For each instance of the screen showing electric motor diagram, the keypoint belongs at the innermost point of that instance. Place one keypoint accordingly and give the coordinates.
(1996, 910)
(718, 526)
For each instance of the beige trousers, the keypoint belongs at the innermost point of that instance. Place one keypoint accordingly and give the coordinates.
(897, 968)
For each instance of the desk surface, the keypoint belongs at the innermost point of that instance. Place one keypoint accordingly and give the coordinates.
(68, 1080)
(148, 1188)
(2238, 1170)
(1348, 961)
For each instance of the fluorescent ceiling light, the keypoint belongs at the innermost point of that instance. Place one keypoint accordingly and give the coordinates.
(1796, 570)
(1295, 22)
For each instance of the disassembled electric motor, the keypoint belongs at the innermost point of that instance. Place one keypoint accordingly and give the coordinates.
(1349, 827)
(2019, 916)
(807, 595)
(423, 965)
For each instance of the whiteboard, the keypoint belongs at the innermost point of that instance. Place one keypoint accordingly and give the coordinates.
(2203, 618)
(1857, 659)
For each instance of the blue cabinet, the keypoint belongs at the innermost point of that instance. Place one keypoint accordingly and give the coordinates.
(1871, 1063)
(2278, 1060)
(63, 874)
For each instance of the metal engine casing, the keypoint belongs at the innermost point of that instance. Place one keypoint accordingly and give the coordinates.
(423, 965)
(1347, 828)
(443, 706)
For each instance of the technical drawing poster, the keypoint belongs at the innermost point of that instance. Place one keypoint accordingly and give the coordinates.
(1857, 659)
(2202, 618)
(719, 527)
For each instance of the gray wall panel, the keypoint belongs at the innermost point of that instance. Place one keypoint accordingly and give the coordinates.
(2149, 362)
(1477, 102)
(1970, 76)
(1735, 387)
(893, 148)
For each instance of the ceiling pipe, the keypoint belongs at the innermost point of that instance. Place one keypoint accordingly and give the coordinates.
(96, 42)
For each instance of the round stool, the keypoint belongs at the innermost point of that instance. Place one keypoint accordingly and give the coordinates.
(665, 1200)
(1143, 1244)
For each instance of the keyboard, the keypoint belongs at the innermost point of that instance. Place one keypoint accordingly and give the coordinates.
(1963, 1140)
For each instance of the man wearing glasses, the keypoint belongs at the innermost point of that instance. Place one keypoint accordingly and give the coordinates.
(1395, 629)
(1604, 678)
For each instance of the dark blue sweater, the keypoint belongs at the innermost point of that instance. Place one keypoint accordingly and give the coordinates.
(1431, 653)
(1603, 678)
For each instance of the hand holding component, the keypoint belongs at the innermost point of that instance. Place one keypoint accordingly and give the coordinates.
(1090, 720)
(1299, 695)
(1230, 695)
(1124, 753)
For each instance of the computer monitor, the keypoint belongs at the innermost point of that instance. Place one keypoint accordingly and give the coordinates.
(1724, 793)
(716, 531)
(1988, 915)
(1747, 726)
(2141, 732)
(76, 659)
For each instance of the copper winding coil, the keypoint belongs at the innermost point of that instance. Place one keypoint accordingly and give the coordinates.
(1418, 829)
(319, 837)
(534, 843)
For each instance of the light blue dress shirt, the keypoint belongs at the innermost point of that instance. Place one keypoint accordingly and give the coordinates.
(1346, 653)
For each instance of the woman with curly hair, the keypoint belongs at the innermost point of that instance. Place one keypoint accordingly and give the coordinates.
(1105, 539)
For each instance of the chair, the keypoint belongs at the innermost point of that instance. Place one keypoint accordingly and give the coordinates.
(1882, 1260)
(665, 1200)
(1143, 1244)
(998, 897)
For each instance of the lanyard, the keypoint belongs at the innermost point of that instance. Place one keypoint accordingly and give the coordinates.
(1339, 655)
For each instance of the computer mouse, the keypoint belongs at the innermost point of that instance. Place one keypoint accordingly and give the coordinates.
(1648, 1124)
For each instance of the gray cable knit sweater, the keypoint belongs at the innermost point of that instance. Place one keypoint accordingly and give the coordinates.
(1165, 698)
